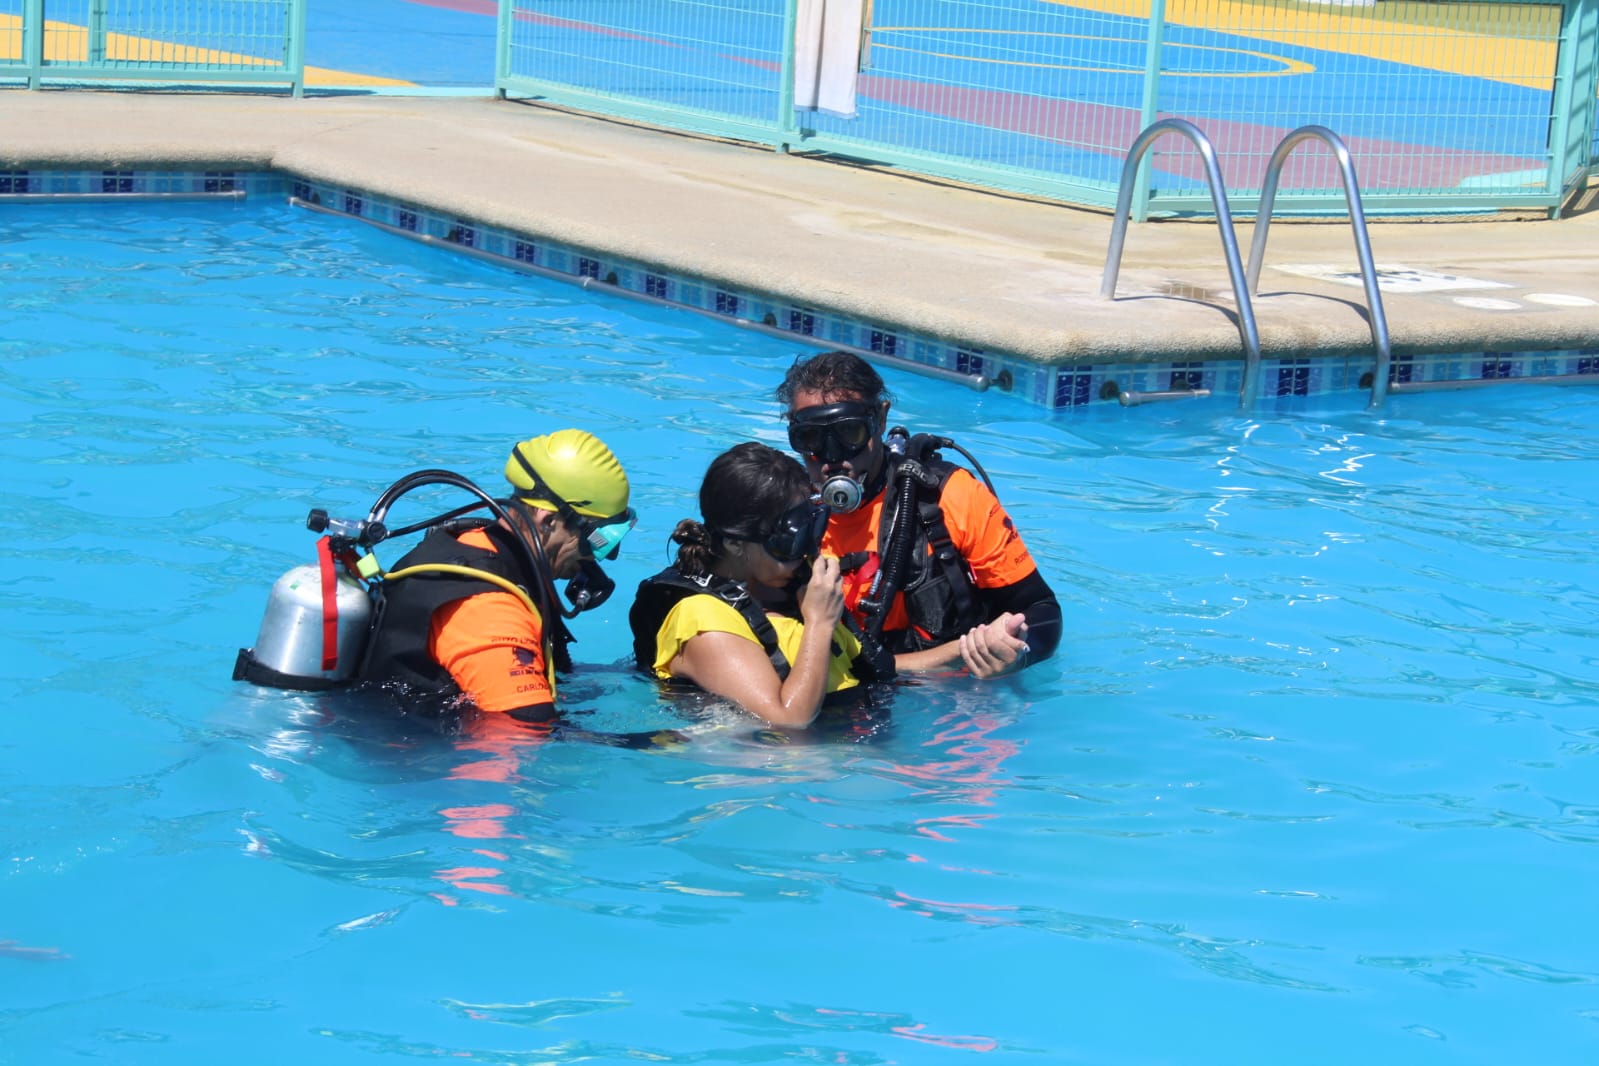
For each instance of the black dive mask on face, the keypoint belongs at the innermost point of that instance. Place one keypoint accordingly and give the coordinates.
(832, 432)
(796, 535)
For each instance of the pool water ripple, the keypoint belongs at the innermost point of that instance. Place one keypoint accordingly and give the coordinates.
(1311, 778)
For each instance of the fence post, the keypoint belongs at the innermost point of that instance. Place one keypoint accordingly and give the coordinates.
(787, 127)
(294, 46)
(502, 47)
(1150, 105)
(1571, 124)
(97, 13)
(33, 40)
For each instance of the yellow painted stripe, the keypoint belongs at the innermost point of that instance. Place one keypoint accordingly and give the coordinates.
(1510, 60)
(68, 43)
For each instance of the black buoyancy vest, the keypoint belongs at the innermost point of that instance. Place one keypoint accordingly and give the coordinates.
(940, 596)
(402, 610)
(659, 594)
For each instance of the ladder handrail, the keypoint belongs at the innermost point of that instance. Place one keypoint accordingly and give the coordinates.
(1224, 222)
(1357, 222)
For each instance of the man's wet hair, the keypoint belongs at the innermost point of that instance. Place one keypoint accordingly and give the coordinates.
(833, 373)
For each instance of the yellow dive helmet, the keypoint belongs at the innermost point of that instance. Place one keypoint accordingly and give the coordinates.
(574, 474)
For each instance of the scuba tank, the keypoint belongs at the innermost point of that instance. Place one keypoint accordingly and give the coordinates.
(293, 649)
(313, 633)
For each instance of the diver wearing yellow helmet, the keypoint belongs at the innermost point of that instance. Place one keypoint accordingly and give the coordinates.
(471, 611)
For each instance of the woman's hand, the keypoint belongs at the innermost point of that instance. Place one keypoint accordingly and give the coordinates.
(998, 647)
(822, 598)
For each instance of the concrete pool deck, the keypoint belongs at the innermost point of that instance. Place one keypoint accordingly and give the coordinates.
(987, 270)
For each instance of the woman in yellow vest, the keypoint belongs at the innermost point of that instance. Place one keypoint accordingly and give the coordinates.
(749, 611)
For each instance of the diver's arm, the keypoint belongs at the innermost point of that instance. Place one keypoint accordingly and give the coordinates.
(928, 659)
(1024, 628)
(736, 668)
(542, 721)
(534, 713)
(1034, 600)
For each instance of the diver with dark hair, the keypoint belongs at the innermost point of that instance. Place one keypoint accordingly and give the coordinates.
(751, 611)
(933, 565)
(469, 618)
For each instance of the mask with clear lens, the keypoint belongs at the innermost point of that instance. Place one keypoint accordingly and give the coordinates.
(833, 432)
(798, 533)
(602, 539)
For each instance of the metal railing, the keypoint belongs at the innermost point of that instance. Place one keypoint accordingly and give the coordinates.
(237, 42)
(1375, 316)
(1246, 281)
(1224, 221)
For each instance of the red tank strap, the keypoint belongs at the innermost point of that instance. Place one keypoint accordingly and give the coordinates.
(330, 603)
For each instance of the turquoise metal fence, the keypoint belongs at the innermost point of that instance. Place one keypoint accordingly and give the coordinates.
(1445, 106)
(174, 41)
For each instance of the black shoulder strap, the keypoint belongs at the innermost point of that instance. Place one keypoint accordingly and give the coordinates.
(659, 594)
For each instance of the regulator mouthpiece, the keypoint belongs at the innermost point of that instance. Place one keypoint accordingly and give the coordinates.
(589, 587)
(841, 494)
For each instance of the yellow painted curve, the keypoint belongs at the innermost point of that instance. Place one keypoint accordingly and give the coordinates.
(69, 43)
(1513, 61)
(1289, 66)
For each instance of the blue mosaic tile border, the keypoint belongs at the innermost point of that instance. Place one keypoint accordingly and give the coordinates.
(141, 183)
(1052, 387)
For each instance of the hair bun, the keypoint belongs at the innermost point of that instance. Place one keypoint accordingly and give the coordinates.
(688, 532)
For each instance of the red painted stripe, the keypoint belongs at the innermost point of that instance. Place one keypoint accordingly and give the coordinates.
(1382, 164)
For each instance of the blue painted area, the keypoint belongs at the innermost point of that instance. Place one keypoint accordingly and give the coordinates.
(397, 39)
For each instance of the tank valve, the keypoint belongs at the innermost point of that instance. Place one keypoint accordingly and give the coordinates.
(357, 532)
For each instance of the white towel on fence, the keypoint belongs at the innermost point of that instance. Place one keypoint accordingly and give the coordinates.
(827, 55)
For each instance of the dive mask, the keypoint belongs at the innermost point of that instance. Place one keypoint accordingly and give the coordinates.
(796, 535)
(832, 432)
(601, 538)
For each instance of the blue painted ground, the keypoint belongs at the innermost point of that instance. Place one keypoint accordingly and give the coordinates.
(415, 42)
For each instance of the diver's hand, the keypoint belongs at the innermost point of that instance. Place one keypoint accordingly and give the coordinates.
(998, 647)
(822, 598)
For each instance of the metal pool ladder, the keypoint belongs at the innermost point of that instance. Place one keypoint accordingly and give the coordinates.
(1357, 222)
(1244, 284)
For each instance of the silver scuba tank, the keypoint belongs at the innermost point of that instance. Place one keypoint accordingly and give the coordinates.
(288, 650)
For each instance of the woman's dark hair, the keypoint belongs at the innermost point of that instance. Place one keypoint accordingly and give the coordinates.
(833, 373)
(744, 492)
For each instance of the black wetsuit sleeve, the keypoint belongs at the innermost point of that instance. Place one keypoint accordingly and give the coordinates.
(1032, 598)
(543, 718)
(535, 713)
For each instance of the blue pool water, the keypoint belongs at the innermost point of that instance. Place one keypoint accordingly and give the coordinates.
(1312, 779)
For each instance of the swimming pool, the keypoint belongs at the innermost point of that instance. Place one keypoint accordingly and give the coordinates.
(1311, 779)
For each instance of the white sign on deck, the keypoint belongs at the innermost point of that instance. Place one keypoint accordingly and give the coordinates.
(1395, 279)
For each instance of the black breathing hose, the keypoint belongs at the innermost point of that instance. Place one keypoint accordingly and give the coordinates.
(532, 551)
(895, 551)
